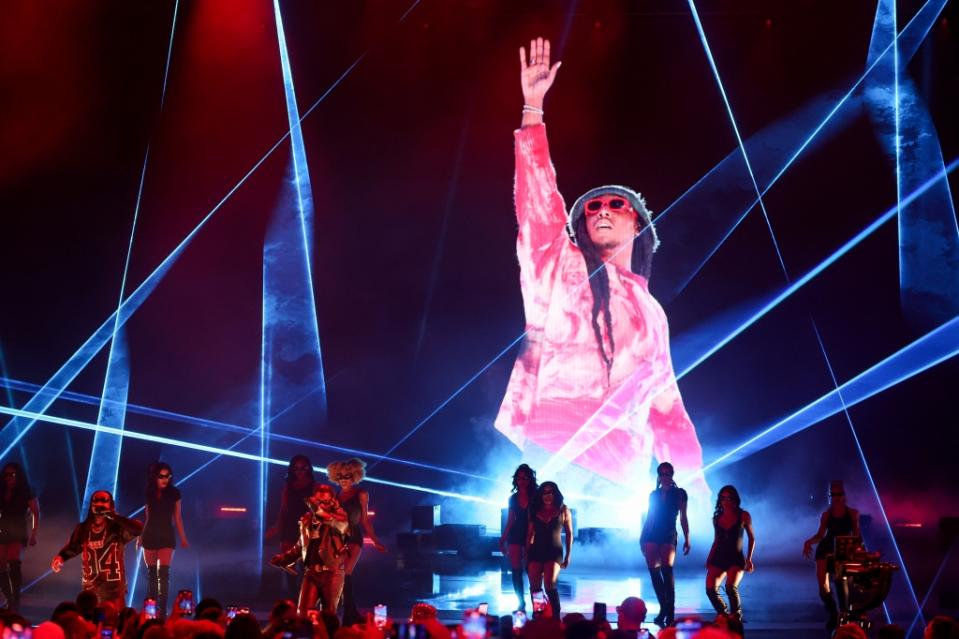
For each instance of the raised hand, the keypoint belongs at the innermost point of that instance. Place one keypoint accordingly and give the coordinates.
(536, 74)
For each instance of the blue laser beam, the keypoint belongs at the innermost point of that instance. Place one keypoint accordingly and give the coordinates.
(932, 587)
(785, 272)
(933, 348)
(817, 270)
(16, 429)
(735, 127)
(915, 30)
(929, 18)
(105, 456)
(169, 441)
(596, 435)
(73, 396)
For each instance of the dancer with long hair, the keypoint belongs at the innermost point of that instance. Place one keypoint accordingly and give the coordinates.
(355, 501)
(17, 504)
(837, 521)
(513, 540)
(726, 559)
(297, 489)
(548, 518)
(100, 539)
(659, 540)
(163, 518)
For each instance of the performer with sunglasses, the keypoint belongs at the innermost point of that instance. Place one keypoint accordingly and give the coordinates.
(594, 381)
(162, 513)
(100, 539)
(839, 520)
(355, 501)
(659, 540)
(322, 547)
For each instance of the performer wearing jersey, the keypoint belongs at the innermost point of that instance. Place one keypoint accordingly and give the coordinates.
(839, 520)
(726, 555)
(548, 517)
(513, 540)
(100, 539)
(659, 540)
(322, 547)
(355, 501)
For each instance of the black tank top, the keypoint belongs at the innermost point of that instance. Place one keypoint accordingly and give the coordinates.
(729, 544)
(547, 533)
(517, 534)
(354, 510)
(836, 527)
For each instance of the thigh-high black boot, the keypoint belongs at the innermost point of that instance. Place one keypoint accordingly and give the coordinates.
(553, 595)
(163, 590)
(831, 609)
(669, 590)
(735, 602)
(350, 613)
(519, 587)
(656, 576)
(16, 582)
(717, 600)
(152, 580)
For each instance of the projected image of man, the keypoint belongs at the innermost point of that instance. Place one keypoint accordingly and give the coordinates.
(594, 382)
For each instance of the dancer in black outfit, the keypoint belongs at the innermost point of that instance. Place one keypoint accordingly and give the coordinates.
(158, 540)
(659, 540)
(355, 501)
(839, 520)
(513, 540)
(17, 501)
(297, 489)
(726, 555)
(548, 517)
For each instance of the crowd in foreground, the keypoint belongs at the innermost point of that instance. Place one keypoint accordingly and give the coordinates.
(86, 618)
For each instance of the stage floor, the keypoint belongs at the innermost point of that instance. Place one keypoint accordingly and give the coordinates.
(779, 601)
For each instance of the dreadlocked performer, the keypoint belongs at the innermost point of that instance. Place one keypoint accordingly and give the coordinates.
(594, 382)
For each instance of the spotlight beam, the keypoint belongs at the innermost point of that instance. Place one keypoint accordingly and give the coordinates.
(18, 427)
(935, 347)
(596, 435)
(15, 429)
(785, 271)
(916, 29)
(73, 396)
(226, 452)
(817, 270)
(929, 17)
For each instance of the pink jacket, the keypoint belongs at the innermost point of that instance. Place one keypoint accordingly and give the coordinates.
(558, 395)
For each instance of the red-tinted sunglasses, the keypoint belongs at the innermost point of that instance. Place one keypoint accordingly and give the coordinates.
(594, 206)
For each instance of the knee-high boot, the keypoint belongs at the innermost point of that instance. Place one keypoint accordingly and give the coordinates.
(735, 603)
(669, 590)
(831, 609)
(519, 587)
(16, 582)
(350, 614)
(656, 576)
(717, 600)
(5, 585)
(553, 595)
(152, 580)
(163, 590)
